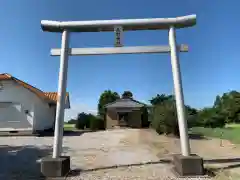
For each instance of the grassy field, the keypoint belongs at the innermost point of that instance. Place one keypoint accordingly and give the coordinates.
(233, 126)
(231, 132)
(69, 126)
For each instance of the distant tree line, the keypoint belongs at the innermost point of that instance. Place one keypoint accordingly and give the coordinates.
(226, 109)
(163, 114)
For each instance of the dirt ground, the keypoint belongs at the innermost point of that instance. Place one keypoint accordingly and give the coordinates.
(219, 155)
(114, 154)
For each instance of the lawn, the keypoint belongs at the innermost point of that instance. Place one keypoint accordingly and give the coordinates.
(69, 127)
(231, 132)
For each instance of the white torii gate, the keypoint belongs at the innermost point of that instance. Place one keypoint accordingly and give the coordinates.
(126, 25)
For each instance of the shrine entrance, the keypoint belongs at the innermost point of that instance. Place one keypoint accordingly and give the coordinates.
(124, 112)
(119, 26)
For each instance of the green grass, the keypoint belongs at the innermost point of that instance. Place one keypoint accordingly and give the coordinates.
(69, 126)
(232, 125)
(231, 132)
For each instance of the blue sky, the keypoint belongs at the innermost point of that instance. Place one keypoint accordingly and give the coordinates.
(211, 66)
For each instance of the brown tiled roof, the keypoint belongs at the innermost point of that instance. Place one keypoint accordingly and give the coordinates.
(48, 96)
(54, 95)
(125, 103)
(4, 76)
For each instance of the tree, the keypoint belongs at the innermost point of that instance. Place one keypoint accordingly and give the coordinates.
(161, 99)
(211, 117)
(228, 105)
(158, 99)
(127, 94)
(165, 118)
(96, 123)
(217, 102)
(164, 114)
(89, 121)
(191, 115)
(81, 120)
(190, 110)
(106, 97)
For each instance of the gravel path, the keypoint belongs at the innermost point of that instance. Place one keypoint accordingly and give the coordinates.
(95, 154)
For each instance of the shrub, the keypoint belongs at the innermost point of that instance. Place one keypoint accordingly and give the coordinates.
(87, 122)
(83, 120)
(192, 121)
(164, 119)
(215, 121)
(80, 124)
(96, 123)
(210, 117)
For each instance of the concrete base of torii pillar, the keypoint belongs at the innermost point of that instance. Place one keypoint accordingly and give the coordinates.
(55, 168)
(188, 165)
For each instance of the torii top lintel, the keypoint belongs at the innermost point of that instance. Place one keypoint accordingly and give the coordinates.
(126, 24)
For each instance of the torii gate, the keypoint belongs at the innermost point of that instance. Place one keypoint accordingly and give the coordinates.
(120, 26)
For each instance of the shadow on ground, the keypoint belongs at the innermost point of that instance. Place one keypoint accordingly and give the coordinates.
(232, 163)
(20, 162)
(65, 133)
(73, 133)
(196, 136)
(76, 172)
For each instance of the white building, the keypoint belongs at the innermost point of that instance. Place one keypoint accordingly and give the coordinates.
(24, 107)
